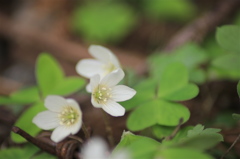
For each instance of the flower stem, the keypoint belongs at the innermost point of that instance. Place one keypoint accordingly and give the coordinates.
(109, 130)
(228, 150)
(85, 131)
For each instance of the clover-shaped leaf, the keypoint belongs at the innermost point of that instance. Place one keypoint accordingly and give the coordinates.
(51, 79)
(157, 112)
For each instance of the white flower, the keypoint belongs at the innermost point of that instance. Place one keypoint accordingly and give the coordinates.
(104, 63)
(106, 93)
(96, 148)
(64, 115)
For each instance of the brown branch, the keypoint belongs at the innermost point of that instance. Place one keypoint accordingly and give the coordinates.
(198, 29)
(228, 150)
(174, 133)
(65, 149)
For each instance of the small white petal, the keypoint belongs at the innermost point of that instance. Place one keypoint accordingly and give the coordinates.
(113, 108)
(76, 127)
(121, 93)
(60, 133)
(95, 104)
(94, 82)
(113, 78)
(88, 88)
(95, 148)
(55, 103)
(89, 67)
(46, 120)
(75, 105)
(100, 53)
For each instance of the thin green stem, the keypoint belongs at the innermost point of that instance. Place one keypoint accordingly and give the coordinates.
(85, 131)
(228, 150)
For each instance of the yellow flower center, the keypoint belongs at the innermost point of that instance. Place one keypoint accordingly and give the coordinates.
(68, 116)
(101, 94)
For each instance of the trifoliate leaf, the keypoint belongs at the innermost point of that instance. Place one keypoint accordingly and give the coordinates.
(157, 112)
(228, 37)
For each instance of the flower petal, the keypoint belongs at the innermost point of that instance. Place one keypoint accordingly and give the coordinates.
(101, 53)
(113, 108)
(46, 120)
(60, 133)
(89, 67)
(75, 105)
(121, 93)
(113, 78)
(94, 82)
(88, 88)
(96, 145)
(95, 104)
(55, 103)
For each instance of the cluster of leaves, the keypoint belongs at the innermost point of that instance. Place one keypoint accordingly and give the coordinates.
(109, 21)
(50, 80)
(188, 143)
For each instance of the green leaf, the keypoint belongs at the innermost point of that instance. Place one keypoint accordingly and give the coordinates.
(12, 153)
(238, 88)
(200, 142)
(102, 21)
(139, 146)
(163, 131)
(169, 10)
(25, 122)
(199, 130)
(51, 79)
(48, 73)
(229, 62)
(69, 85)
(187, 92)
(182, 153)
(236, 116)
(174, 77)
(21, 97)
(157, 112)
(197, 76)
(149, 86)
(228, 37)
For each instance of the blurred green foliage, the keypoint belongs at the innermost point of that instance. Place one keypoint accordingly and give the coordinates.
(175, 10)
(26, 152)
(189, 147)
(103, 21)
